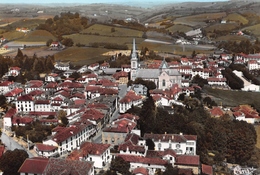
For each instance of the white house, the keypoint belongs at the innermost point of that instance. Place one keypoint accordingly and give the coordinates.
(70, 138)
(131, 98)
(43, 150)
(42, 105)
(25, 103)
(6, 86)
(62, 66)
(94, 152)
(52, 77)
(181, 144)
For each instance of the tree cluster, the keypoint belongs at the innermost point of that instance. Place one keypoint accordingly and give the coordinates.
(233, 140)
(109, 45)
(200, 81)
(149, 84)
(245, 72)
(65, 24)
(234, 82)
(36, 132)
(244, 46)
(11, 161)
(131, 25)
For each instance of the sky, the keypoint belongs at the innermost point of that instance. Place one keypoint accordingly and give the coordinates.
(98, 1)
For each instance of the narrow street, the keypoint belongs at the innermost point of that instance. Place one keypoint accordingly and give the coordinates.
(12, 144)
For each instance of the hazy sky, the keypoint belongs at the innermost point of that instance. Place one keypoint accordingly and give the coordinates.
(98, 1)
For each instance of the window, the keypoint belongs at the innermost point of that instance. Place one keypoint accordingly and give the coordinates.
(163, 82)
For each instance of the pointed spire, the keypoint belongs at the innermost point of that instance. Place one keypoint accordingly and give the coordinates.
(134, 49)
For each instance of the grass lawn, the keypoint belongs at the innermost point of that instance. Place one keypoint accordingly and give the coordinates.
(105, 30)
(234, 98)
(81, 55)
(29, 23)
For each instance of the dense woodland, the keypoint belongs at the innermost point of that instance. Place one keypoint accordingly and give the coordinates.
(223, 138)
(31, 67)
(244, 46)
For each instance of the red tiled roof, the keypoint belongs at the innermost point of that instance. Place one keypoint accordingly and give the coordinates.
(10, 113)
(14, 92)
(6, 83)
(35, 93)
(42, 113)
(216, 111)
(130, 96)
(192, 160)
(121, 126)
(128, 145)
(120, 74)
(42, 102)
(144, 160)
(89, 148)
(51, 85)
(172, 137)
(22, 120)
(68, 167)
(45, 148)
(207, 169)
(63, 133)
(15, 68)
(129, 116)
(35, 165)
(2, 149)
(25, 98)
(141, 170)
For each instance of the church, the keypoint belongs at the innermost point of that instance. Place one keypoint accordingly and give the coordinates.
(164, 77)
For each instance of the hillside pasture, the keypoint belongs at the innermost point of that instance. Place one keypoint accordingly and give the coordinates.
(222, 27)
(253, 29)
(180, 28)
(82, 55)
(235, 17)
(37, 35)
(234, 98)
(28, 23)
(200, 19)
(13, 35)
(106, 30)
(231, 38)
(87, 39)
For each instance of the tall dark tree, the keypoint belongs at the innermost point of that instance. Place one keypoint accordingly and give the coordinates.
(11, 161)
(119, 165)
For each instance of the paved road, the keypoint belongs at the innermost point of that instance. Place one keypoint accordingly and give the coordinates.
(11, 144)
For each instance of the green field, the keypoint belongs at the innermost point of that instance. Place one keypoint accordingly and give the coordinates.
(37, 36)
(222, 27)
(13, 35)
(180, 28)
(194, 20)
(231, 38)
(81, 55)
(87, 39)
(106, 31)
(28, 23)
(253, 29)
(236, 18)
(234, 98)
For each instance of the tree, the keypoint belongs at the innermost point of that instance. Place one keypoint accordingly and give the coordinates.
(61, 116)
(67, 42)
(48, 43)
(11, 161)
(150, 144)
(120, 165)
(113, 30)
(2, 100)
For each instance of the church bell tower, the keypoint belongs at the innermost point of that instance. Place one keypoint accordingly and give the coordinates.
(134, 62)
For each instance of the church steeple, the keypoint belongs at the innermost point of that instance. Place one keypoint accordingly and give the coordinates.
(134, 62)
(134, 50)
